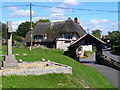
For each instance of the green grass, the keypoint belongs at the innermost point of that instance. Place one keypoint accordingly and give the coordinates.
(82, 76)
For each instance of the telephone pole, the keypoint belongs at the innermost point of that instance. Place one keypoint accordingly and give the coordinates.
(31, 26)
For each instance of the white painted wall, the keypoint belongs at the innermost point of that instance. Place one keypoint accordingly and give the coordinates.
(62, 45)
(84, 48)
(87, 48)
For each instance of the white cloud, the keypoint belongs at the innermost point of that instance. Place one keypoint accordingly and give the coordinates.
(94, 21)
(16, 12)
(104, 20)
(58, 16)
(104, 25)
(56, 10)
(58, 13)
(20, 13)
(12, 8)
(15, 24)
(71, 2)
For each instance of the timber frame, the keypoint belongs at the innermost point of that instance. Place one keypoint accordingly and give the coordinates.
(87, 39)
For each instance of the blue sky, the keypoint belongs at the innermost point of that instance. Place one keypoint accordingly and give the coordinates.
(93, 19)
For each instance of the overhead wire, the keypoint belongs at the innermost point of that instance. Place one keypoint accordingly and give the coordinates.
(63, 8)
(73, 10)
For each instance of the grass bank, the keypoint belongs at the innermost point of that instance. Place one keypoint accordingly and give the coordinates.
(83, 76)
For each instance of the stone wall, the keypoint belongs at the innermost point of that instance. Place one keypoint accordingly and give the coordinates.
(109, 62)
(40, 71)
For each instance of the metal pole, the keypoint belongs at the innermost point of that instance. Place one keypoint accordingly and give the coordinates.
(31, 26)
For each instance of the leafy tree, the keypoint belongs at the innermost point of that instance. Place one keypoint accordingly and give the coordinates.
(42, 20)
(3, 30)
(97, 33)
(114, 37)
(23, 28)
(0, 29)
(16, 38)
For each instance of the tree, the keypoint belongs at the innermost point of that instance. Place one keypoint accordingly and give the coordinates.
(0, 29)
(42, 20)
(23, 28)
(3, 30)
(97, 33)
(114, 37)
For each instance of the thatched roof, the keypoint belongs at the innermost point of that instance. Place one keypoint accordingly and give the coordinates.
(89, 36)
(53, 30)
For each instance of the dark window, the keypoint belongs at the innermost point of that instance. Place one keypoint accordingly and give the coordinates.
(38, 37)
(67, 41)
(68, 36)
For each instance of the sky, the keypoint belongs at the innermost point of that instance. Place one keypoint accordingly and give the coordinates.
(91, 15)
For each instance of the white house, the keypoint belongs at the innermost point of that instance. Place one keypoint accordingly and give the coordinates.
(56, 34)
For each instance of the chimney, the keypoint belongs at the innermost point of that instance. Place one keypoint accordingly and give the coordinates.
(76, 20)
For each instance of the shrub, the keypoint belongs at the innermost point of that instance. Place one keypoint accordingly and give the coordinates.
(79, 48)
(116, 50)
(86, 53)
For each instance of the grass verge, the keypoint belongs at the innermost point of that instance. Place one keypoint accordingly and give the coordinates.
(83, 76)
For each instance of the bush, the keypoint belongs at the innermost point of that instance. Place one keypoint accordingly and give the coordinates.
(79, 48)
(116, 50)
(86, 53)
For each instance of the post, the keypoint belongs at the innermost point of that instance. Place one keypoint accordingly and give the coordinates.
(10, 60)
(31, 26)
(9, 38)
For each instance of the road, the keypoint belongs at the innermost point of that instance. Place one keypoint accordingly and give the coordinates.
(111, 74)
(114, 57)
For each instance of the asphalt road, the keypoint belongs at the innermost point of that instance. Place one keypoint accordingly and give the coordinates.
(114, 57)
(111, 74)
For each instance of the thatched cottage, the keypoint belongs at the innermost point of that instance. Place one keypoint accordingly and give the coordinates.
(56, 34)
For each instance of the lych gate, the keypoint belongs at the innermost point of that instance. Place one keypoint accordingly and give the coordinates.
(87, 39)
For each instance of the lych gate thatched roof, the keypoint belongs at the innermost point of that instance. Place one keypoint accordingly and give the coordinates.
(54, 30)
